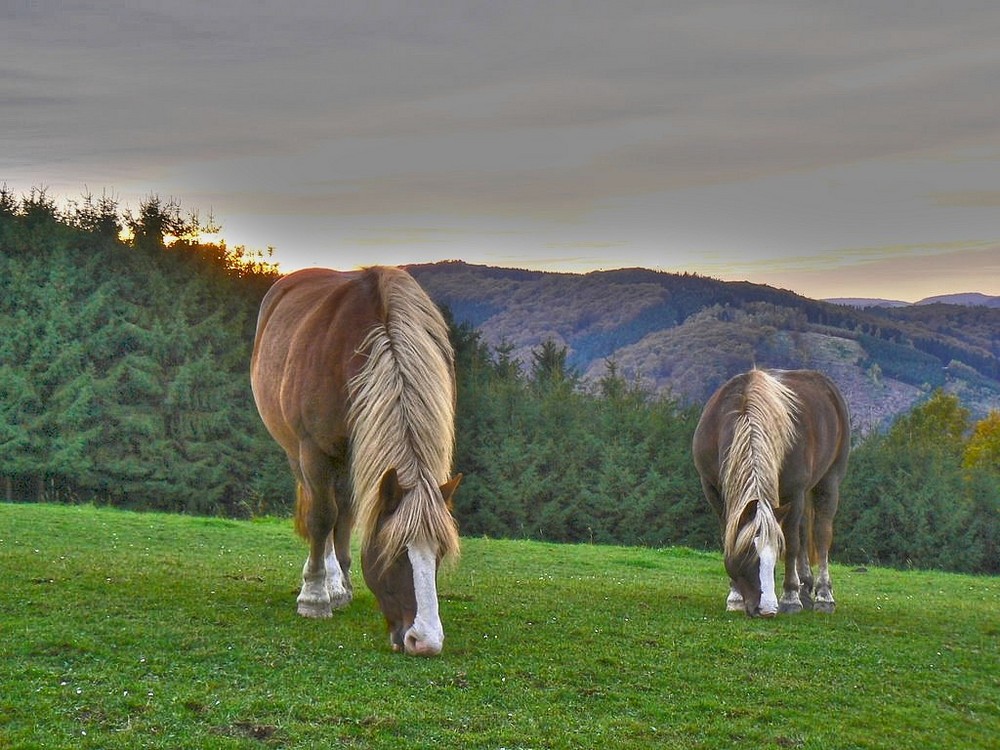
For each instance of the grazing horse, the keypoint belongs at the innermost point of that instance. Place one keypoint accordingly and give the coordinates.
(771, 448)
(353, 375)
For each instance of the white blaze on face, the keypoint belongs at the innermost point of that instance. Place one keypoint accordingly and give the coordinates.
(768, 560)
(426, 636)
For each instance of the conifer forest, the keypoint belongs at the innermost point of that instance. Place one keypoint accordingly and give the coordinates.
(124, 353)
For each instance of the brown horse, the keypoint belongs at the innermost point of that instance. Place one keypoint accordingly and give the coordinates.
(771, 449)
(353, 375)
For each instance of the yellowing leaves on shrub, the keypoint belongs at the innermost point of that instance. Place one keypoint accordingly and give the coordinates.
(983, 449)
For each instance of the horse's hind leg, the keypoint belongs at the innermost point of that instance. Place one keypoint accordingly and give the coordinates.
(340, 561)
(826, 497)
(791, 599)
(322, 579)
(803, 563)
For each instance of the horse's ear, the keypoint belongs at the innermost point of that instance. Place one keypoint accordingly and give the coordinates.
(448, 489)
(781, 511)
(390, 492)
(748, 513)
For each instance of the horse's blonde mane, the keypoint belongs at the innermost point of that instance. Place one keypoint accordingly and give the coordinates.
(402, 416)
(763, 431)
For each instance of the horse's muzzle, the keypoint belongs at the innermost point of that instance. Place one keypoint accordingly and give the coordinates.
(414, 643)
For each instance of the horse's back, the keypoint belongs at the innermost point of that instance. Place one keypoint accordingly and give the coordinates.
(822, 414)
(293, 296)
(823, 423)
(714, 430)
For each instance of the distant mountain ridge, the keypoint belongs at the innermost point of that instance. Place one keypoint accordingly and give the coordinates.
(685, 334)
(969, 299)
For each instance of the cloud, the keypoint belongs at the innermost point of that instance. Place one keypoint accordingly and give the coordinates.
(969, 199)
(633, 130)
(910, 273)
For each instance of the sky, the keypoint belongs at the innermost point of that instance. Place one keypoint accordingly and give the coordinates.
(847, 149)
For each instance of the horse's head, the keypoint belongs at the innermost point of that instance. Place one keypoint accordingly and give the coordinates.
(749, 574)
(751, 566)
(405, 582)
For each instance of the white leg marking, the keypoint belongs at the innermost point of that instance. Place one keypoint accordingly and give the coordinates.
(768, 560)
(340, 597)
(734, 602)
(314, 598)
(824, 601)
(426, 636)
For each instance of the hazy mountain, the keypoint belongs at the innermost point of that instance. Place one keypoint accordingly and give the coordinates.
(685, 334)
(969, 299)
(867, 302)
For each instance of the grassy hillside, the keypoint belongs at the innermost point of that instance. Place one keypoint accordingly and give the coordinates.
(685, 335)
(125, 630)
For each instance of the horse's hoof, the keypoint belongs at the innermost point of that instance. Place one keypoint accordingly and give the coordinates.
(790, 608)
(807, 601)
(316, 610)
(825, 607)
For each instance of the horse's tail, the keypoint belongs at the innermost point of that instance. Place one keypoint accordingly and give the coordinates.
(303, 504)
(763, 430)
(402, 417)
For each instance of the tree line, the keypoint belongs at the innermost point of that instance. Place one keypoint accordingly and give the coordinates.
(124, 348)
(123, 363)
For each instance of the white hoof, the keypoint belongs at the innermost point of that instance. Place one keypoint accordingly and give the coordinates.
(314, 609)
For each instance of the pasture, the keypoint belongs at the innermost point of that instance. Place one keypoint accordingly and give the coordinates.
(127, 630)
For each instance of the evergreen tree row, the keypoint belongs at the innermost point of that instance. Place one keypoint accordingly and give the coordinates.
(545, 458)
(123, 365)
(124, 380)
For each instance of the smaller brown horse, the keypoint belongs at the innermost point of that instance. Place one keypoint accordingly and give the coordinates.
(771, 449)
(353, 375)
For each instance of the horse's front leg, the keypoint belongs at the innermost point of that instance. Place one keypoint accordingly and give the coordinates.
(314, 598)
(322, 578)
(734, 602)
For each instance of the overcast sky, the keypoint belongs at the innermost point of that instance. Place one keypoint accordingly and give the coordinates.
(833, 148)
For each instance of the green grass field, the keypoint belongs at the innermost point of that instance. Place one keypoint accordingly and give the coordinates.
(126, 630)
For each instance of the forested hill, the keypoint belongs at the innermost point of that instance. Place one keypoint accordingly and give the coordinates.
(123, 366)
(685, 334)
(124, 381)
